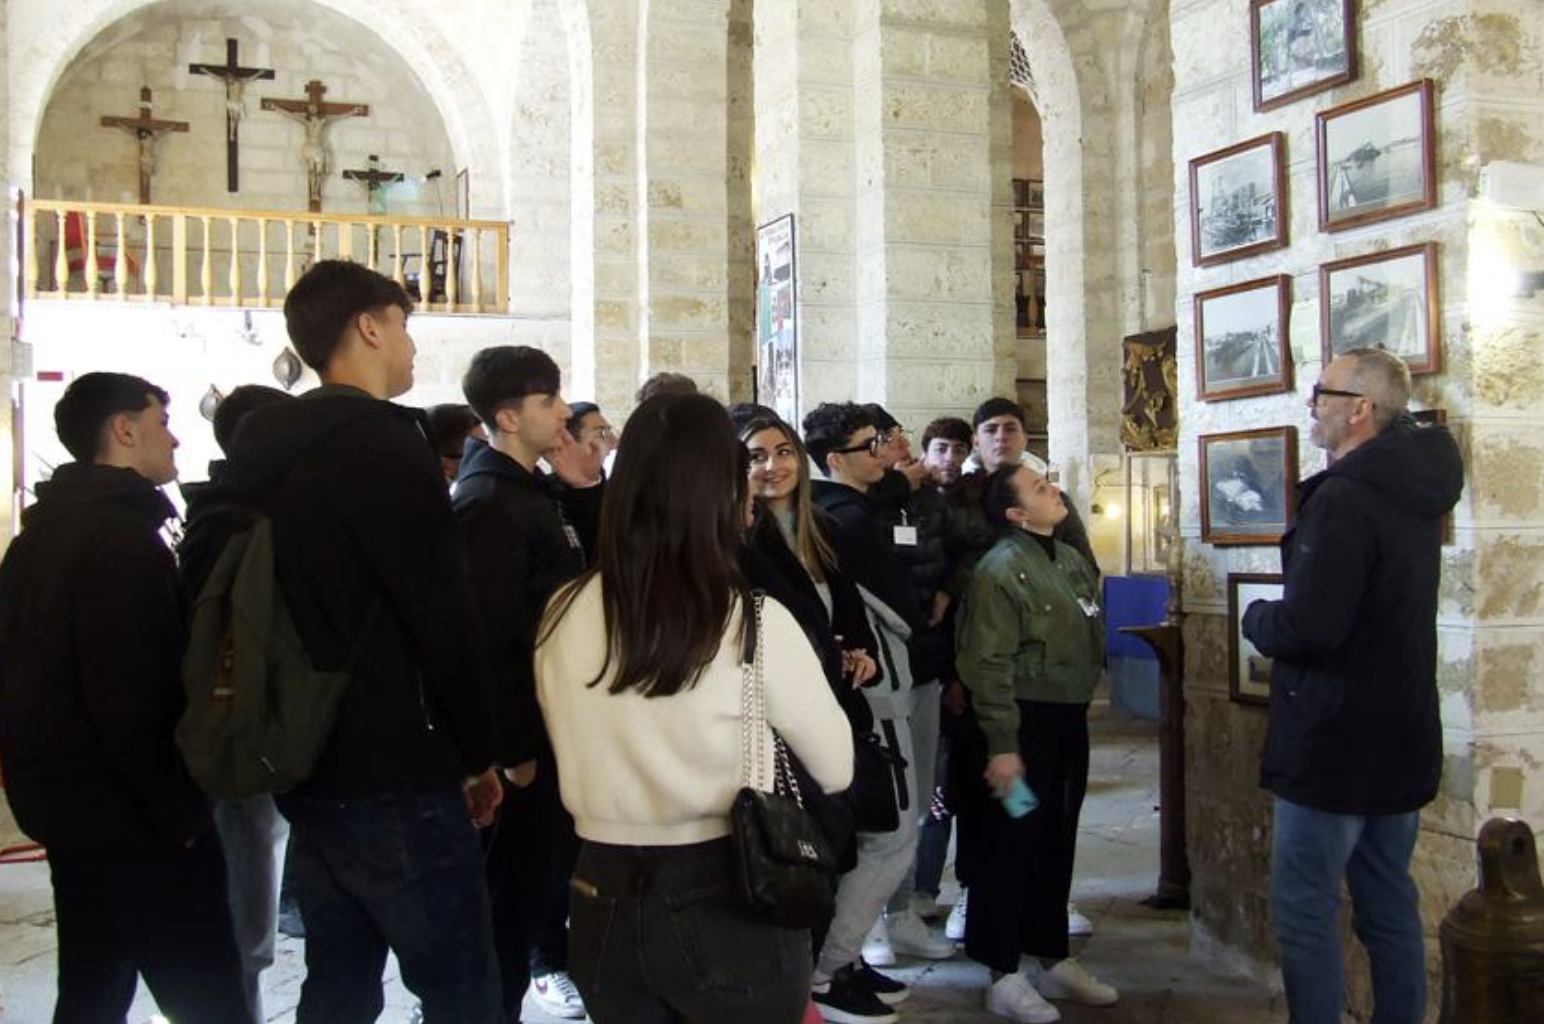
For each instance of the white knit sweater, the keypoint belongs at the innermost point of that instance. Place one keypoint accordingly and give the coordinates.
(662, 771)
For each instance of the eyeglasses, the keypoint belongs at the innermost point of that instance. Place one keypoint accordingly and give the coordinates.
(872, 446)
(886, 436)
(1319, 391)
(604, 433)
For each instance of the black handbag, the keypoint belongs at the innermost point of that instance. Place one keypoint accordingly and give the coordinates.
(783, 867)
(876, 804)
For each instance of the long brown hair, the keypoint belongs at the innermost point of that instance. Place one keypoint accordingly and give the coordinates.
(667, 554)
(809, 540)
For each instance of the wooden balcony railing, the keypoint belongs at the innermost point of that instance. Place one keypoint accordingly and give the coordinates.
(216, 257)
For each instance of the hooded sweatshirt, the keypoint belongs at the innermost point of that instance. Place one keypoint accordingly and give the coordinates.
(1354, 724)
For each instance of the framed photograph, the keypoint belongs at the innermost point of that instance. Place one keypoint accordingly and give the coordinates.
(1237, 201)
(1249, 486)
(1384, 298)
(1377, 157)
(777, 333)
(1241, 339)
(1300, 47)
(1249, 678)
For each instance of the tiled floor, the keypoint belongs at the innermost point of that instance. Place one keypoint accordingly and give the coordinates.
(1144, 953)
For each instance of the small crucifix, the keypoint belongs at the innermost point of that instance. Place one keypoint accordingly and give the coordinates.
(145, 129)
(235, 77)
(374, 178)
(313, 115)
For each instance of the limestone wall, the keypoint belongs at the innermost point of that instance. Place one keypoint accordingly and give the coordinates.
(1484, 60)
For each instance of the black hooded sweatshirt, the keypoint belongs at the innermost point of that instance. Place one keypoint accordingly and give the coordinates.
(364, 537)
(1354, 725)
(92, 626)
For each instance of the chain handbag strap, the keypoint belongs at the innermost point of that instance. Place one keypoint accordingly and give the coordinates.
(753, 711)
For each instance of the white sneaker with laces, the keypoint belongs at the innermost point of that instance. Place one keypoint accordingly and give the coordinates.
(557, 995)
(1012, 996)
(1071, 980)
(876, 947)
(1078, 925)
(909, 936)
(954, 928)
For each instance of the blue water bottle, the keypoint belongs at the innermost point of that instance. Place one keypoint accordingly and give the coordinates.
(1020, 799)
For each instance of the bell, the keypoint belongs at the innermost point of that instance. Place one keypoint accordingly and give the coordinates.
(210, 402)
(287, 368)
(1493, 939)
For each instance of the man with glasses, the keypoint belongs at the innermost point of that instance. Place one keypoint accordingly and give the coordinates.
(1354, 746)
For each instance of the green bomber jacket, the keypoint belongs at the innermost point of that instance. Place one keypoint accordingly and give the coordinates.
(1028, 628)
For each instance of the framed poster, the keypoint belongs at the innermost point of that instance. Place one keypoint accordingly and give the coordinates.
(1377, 157)
(1300, 47)
(1249, 486)
(1238, 201)
(1249, 675)
(1241, 339)
(777, 336)
(1385, 298)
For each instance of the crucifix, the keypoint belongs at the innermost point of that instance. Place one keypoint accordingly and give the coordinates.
(145, 129)
(374, 178)
(313, 114)
(235, 77)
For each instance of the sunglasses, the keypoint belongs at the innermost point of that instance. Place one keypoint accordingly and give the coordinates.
(1319, 392)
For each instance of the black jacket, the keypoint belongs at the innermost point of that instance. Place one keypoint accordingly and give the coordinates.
(92, 626)
(525, 537)
(867, 553)
(1354, 726)
(364, 536)
(929, 563)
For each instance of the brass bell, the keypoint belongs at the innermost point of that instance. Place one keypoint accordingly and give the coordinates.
(1493, 939)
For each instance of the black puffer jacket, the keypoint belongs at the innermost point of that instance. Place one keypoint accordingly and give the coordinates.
(867, 552)
(92, 626)
(929, 564)
(1354, 725)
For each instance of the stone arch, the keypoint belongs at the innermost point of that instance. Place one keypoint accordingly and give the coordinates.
(401, 25)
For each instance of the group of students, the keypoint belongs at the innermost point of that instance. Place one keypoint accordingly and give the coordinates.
(533, 762)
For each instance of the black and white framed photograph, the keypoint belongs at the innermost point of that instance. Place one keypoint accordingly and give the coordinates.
(1386, 299)
(1249, 677)
(1377, 157)
(1249, 486)
(1300, 47)
(1242, 346)
(1237, 201)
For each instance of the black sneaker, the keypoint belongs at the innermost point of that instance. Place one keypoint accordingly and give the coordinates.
(887, 989)
(847, 1000)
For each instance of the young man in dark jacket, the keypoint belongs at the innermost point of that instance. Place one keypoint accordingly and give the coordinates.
(526, 535)
(1354, 747)
(92, 621)
(370, 562)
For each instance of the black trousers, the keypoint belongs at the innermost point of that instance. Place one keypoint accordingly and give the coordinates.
(1022, 871)
(162, 915)
(656, 939)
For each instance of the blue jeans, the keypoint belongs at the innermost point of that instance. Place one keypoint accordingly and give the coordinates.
(402, 872)
(1311, 852)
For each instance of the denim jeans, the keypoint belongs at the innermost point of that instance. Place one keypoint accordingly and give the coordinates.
(254, 836)
(1311, 851)
(402, 872)
(655, 938)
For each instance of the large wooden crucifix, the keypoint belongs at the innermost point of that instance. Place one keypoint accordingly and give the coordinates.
(374, 178)
(145, 128)
(235, 77)
(314, 115)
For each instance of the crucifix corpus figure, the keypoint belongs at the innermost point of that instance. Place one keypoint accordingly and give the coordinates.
(375, 179)
(235, 77)
(145, 128)
(313, 115)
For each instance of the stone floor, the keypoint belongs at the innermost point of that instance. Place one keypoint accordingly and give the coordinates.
(1145, 953)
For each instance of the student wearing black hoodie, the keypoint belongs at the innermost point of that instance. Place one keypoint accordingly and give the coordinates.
(1354, 747)
(526, 535)
(370, 562)
(92, 626)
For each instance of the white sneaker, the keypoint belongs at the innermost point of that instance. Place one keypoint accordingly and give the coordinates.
(557, 995)
(925, 906)
(954, 928)
(1071, 980)
(876, 946)
(1078, 925)
(909, 936)
(1012, 996)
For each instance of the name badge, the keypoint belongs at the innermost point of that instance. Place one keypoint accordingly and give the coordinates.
(1090, 608)
(572, 535)
(905, 536)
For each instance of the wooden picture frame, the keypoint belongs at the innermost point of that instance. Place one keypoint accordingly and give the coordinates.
(1386, 298)
(1238, 201)
(1248, 486)
(1300, 47)
(1242, 343)
(1377, 157)
(1249, 671)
